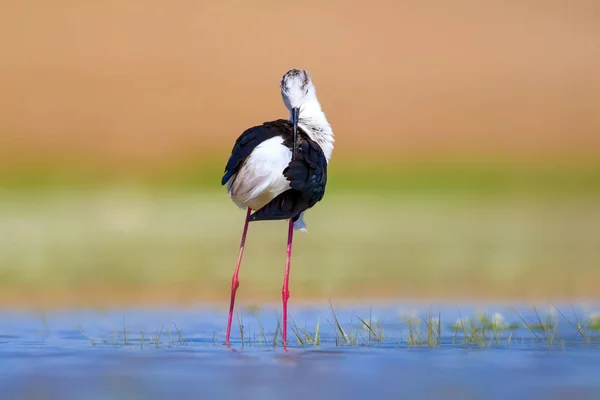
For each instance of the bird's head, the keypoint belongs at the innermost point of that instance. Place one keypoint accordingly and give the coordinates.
(297, 89)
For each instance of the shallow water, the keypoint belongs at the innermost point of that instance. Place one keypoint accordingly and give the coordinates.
(49, 356)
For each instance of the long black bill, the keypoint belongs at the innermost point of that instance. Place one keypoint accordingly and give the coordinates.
(295, 112)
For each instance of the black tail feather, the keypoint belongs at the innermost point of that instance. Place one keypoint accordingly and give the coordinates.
(287, 205)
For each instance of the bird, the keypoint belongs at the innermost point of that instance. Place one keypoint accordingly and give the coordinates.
(278, 170)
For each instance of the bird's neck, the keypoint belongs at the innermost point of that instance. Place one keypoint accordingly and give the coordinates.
(313, 121)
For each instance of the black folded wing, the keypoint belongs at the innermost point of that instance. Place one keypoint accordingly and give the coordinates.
(307, 175)
(248, 141)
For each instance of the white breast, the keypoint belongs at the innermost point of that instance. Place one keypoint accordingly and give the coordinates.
(261, 178)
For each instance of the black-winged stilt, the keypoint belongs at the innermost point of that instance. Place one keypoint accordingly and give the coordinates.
(279, 169)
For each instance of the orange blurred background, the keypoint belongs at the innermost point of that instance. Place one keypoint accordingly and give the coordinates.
(128, 84)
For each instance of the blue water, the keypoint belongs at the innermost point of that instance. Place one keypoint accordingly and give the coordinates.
(46, 356)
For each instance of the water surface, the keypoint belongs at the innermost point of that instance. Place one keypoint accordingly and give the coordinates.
(53, 355)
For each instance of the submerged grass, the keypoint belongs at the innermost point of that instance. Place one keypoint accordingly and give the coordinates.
(92, 341)
(482, 330)
(157, 341)
(431, 336)
(338, 328)
(179, 335)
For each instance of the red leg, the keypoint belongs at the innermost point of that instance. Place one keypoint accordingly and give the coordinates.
(285, 292)
(235, 283)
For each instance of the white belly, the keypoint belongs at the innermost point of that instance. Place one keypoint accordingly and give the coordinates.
(261, 178)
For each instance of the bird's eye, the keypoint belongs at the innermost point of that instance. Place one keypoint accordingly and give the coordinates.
(306, 91)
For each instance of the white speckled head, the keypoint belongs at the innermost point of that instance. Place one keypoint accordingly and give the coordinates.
(297, 89)
(300, 98)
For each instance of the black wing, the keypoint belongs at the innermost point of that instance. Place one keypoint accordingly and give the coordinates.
(307, 175)
(248, 141)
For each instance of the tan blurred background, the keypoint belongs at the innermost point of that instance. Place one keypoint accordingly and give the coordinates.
(133, 88)
(135, 82)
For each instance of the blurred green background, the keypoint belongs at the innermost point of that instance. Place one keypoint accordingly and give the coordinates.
(466, 161)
